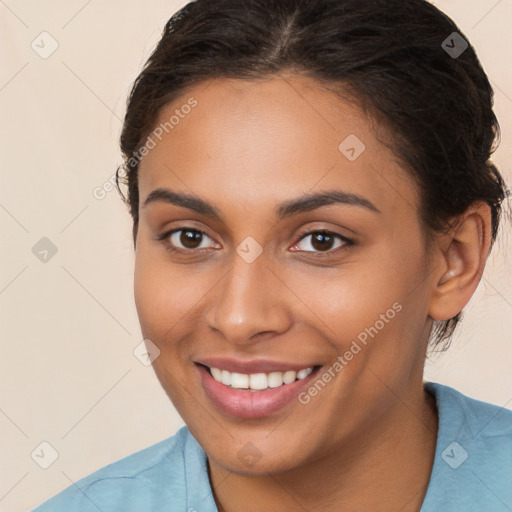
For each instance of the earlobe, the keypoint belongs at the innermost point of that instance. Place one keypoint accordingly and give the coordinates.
(462, 261)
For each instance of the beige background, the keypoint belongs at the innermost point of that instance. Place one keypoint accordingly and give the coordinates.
(69, 325)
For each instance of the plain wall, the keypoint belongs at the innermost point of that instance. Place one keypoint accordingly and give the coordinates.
(69, 325)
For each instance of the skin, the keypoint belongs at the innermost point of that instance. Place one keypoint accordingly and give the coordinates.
(367, 440)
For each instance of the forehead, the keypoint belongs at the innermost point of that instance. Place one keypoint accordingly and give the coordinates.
(263, 139)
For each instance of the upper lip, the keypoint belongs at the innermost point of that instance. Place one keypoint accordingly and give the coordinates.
(251, 366)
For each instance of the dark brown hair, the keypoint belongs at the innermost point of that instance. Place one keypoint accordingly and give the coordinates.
(399, 58)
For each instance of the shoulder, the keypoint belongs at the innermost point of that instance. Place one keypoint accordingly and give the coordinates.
(480, 419)
(473, 460)
(149, 479)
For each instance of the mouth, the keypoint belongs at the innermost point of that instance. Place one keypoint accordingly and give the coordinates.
(256, 394)
(258, 381)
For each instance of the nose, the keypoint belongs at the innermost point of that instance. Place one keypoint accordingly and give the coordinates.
(249, 301)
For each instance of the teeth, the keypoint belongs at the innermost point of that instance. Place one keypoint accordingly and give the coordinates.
(217, 374)
(289, 377)
(225, 378)
(239, 380)
(304, 373)
(275, 379)
(258, 381)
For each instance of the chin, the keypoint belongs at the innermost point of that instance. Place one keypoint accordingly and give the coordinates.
(262, 465)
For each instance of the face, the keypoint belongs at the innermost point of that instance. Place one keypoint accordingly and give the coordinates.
(279, 251)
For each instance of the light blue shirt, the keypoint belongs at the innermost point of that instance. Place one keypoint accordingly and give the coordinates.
(472, 469)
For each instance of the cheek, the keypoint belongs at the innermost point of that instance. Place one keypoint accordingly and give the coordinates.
(165, 294)
(370, 311)
(349, 299)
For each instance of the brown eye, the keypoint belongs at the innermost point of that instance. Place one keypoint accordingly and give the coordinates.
(187, 239)
(190, 239)
(321, 241)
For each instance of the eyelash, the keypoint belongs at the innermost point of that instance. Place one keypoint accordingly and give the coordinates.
(347, 242)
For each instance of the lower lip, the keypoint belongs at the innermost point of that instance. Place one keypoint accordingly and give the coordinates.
(244, 403)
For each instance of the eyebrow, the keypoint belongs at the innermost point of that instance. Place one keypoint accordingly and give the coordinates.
(286, 209)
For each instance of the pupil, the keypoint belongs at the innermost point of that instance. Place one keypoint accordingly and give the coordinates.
(189, 239)
(321, 241)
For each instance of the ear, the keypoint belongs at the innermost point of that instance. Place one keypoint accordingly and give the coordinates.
(461, 261)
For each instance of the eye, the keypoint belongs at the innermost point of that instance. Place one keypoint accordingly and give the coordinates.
(321, 241)
(185, 239)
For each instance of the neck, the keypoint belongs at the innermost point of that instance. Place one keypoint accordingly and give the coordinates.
(385, 466)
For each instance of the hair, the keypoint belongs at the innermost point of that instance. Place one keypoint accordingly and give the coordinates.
(389, 55)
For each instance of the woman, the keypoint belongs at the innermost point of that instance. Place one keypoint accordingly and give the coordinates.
(313, 206)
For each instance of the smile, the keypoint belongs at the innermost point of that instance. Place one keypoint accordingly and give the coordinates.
(258, 381)
(253, 391)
